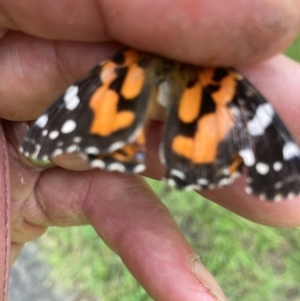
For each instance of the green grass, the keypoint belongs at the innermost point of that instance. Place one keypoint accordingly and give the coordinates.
(251, 262)
(294, 50)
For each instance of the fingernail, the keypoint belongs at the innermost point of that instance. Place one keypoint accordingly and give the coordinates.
(206, 279)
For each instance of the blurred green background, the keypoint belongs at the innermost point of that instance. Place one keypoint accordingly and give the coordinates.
(251, 262)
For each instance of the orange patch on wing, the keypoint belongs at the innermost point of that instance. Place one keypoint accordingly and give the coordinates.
(206, 76)
(131, 56)
(104, 103)
(183, 146)
(226, 92)
(211, 130)
(108, 72)
(133, 83)
(128, 152)
(237, 162)
(122, 120)
(190, 103)
(141, 138)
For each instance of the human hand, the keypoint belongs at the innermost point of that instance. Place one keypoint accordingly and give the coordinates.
(53, 48)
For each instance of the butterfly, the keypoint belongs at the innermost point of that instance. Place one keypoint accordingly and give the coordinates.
(217, 125)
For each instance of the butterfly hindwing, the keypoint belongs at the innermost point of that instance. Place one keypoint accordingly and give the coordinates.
(129, 159)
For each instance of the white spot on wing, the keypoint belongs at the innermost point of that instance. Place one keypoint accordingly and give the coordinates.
(261, 120)
(116, 167)
(68, 126)
(45, 158)
(248, 190)
(226, 171)
(72, 148)
(262, 168)
(291, 196)
(224, 182)
(248, 156)
(277, 166)
(162, 154)
(170, 182)
(163, 96)
(44, 132)
(278, 198)
(42, 121)
(262, 196)
(178, 174)
(36, 152)
(71, 98)
(192, 187)
(92, 150)
(53, 135)
(290, 150)
(202, 181)
(115, 146)
(97, 164)
(57, 152)
(77, 139)
(139, 168)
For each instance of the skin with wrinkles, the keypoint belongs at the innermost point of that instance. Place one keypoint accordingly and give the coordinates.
(46, 46)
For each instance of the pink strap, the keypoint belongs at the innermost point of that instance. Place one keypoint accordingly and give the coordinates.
(4, 217)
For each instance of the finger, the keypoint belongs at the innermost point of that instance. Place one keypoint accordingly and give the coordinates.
(139, 228)
(36, 71)
(15, 250)
(192, 30)
(128, 217)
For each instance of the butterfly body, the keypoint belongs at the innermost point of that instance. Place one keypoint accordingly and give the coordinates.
(216, 125)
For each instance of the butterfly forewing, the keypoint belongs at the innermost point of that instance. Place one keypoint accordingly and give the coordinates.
(98, 115)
